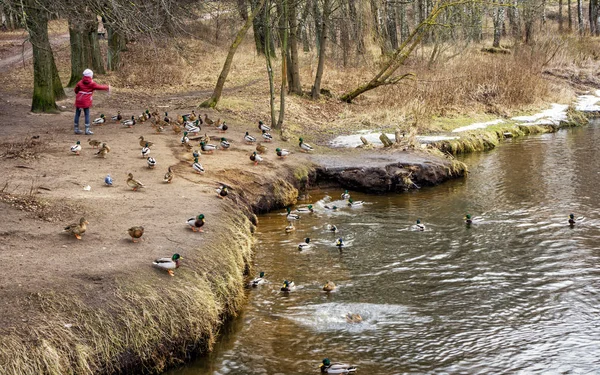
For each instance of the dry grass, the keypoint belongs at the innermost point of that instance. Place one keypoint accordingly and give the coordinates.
(142, 325)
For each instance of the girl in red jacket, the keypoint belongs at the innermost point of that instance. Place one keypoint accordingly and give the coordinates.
(83, 99)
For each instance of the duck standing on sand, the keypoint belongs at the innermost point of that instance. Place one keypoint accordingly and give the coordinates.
(76, 148)
(305, 147)
(282, 153)
(249, 139)
(100, 120)
(168, 264)
(208, 121)
(225, 145)
(117, 117)
(222, 191)
(151, 162)
(145, 151)
(129, 123)
(104, 149)
(136, 232)
(133, 183)
(198, 168)
(196, 223)
(336, 368)
(267, 136)
(168, 176)
(223, 127)
(94, 143)
(145, 143)
(77, 229)
(263, 127)
(185, 139)
(256, 158)
(207, 147)
(258, 280)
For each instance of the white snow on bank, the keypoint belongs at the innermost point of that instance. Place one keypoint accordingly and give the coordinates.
(587, 103)
(552, 116)
(353, 140)
(477, 125)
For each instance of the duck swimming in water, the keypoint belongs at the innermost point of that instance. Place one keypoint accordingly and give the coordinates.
(418, 226)
(571, 220)
(304, 245)
(258, 280)
(336, 368)
(468, 220)
(345, 195)
(288, 286)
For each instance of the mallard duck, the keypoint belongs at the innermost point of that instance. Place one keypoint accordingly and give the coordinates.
(197, 166)
(225, 144)
(353, 318)
(135, 232)
(151, 162)
(145, 151)
(332, 208)
(168, 176)
(571, 220)
(192, 127)
(335, 368)
(258, 280)
(108, 181)
(188, 147)
(208, 121)
(145, 143)
(305, 146)
(222, 191)
(129, 123)
(117, 117)
(192, 116)
(304, 245)
(263, 127)
(288, 286)
(339, 243)
(256, 158)
(147, 115)
(185, 138)
(104, 149)
(196, 223)
(168, 264)
(159, 128)
(204, 138)
(306, 209)
(345, 195)
(290, 216)
(282, 153)
(133, 183)
(418, 226)
(141, 118)
(329, 286)
(290, 228)
(223, 127)
(100, 120)
(352, 203)
(76, 148)
(207, 147)
(260, 148)
(181, 119)
(267, 136)
(94, 143)
(176, 128)
(167, 118)
(77, 229)
(468, 220)
(195, 154)
(331, 228)
(249, 139)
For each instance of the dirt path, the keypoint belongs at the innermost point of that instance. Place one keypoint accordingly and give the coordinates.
(20, 54)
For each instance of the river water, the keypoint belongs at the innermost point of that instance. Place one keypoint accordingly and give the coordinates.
(518, 292)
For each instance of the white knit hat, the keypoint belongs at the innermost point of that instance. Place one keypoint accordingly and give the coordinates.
(88, 73)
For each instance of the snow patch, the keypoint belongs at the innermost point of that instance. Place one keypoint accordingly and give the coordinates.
(587, 103)
(353, 140)
(478, 125)
(552, 116)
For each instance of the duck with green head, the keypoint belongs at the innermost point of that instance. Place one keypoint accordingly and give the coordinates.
(290, 216)
(258, 280)
(76, 148)
(304, 245)
(468, 220)
(571, 220)
(345, 195)
(288, 286)
(305, 147)
(418, 226)
(168, 264)
(196, 223)
(352, 203)
(336, 368)
(307, 209)
(282, 153)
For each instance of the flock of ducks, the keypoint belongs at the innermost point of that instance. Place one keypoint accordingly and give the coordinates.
(190, 125)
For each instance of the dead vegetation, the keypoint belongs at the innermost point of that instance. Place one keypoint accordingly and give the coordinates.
(30, 148)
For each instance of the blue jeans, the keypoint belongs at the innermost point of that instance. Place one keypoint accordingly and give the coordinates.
(86, 112)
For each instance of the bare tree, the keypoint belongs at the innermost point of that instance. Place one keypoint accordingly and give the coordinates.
(316, 89)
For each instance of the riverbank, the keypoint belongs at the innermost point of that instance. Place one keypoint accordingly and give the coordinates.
(97, 305)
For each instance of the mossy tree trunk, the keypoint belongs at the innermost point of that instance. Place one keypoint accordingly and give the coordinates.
(45, 75)
(116, 45)
(218, 91)
(85, 48)
(78, 64)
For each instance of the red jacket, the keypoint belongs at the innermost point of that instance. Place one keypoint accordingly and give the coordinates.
(84, 91)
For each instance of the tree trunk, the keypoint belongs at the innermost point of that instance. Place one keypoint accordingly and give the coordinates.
(294, 83)
(242, 8)
(316, 89)
(304, 27)
(357, 27)
(498, 24)
(43, 79)
(391, 26)
(116, 44)
(318, 16)
(77, 60)
(216, 96)
(94, 46)
(560, 16)
(345, 34)
(593, 14)
(258, 27)
(513, 19)
(284, 49)
(269, 67)
(580, 17)
(570, 15)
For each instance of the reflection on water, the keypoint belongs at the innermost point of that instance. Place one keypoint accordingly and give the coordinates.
(517, 292)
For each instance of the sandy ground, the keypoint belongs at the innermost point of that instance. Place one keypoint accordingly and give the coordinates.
(38, 256)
